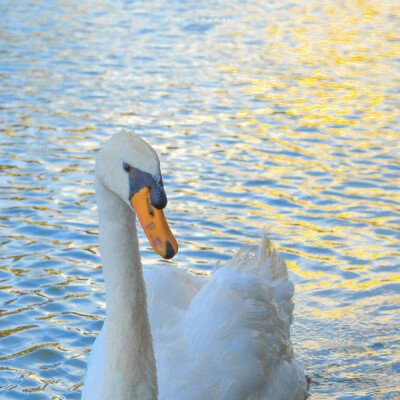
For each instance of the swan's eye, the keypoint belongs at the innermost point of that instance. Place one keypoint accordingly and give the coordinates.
(127, 167)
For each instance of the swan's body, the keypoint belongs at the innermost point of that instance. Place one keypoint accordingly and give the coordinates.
(225, 338)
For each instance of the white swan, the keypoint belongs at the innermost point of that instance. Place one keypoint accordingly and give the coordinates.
(224, 338)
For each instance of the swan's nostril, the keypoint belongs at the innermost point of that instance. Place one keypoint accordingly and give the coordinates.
(150, 207)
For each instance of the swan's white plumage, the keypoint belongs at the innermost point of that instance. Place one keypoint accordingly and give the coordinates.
(223, 337)
(124, 147)
(228, 337)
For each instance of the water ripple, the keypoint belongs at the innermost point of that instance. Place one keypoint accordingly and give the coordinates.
(282, 115)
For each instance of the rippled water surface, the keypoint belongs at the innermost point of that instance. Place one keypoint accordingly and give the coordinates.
(283, 114)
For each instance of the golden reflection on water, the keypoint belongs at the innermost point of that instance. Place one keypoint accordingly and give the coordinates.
(342, 96)
(340, 48)
(291, 123)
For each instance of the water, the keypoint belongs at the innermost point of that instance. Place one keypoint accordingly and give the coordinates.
(282, 114)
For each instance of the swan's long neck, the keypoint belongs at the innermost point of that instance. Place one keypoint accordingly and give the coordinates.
(130, 368)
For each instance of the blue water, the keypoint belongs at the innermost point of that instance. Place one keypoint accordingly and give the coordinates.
(278, 114)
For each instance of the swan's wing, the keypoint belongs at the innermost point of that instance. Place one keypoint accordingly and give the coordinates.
(232, 341)
(169, 293)
(236, 338)
(265, 262)
(226, 337)
(95, 371)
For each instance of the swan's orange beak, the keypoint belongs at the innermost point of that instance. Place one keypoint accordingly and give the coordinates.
(154, 224)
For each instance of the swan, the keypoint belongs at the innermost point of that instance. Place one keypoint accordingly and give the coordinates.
(172, 335)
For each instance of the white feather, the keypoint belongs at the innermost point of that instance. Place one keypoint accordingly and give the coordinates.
(226, 337)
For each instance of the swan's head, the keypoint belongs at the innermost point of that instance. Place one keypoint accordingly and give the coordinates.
(128, 166)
